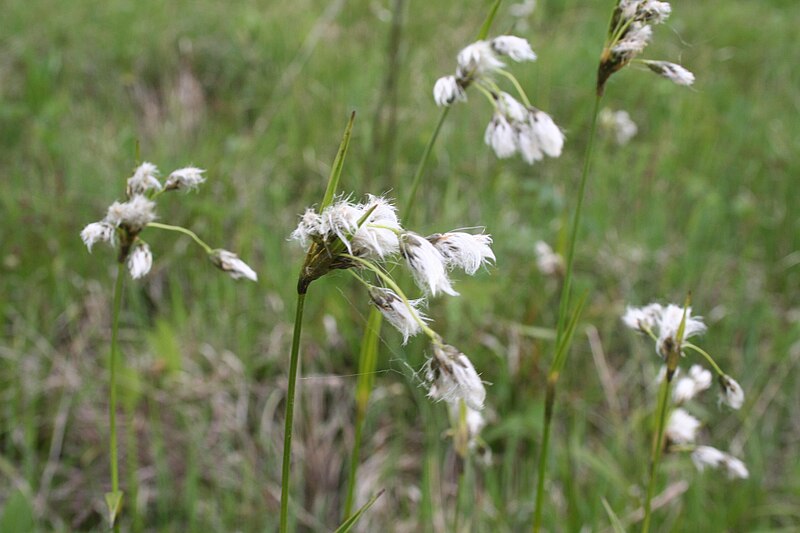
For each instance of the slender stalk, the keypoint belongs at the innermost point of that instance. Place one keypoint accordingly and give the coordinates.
(705, 354)
(421, 166)
(287, 433)
(561, 352)
(655, 452)
(183, 230)
(112, 389)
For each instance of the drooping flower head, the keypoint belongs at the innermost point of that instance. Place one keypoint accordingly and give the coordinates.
(687, 387)
(707, 456)
(450, 377)
(629, 33)
(405, 316)
(682, 427)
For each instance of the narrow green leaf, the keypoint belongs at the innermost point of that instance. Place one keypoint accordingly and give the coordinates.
(17, 514)
(616, 524)
(348, 524)
(487, 24)
(338, 164)
(566, 341)
(114, 503)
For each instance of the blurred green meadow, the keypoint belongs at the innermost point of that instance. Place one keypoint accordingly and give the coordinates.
(704, 199)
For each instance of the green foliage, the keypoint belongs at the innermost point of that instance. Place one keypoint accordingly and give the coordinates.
(704, 198)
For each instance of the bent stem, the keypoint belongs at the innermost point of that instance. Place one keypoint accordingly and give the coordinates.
(116, 498)
(562, 351)
(183, 230)
(287, 433)
(655, 452)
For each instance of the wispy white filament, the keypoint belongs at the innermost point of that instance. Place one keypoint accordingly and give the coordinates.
(132, 215)
(464, 250)
(426, 263)
(185, 179)
(682, 427)
(144, 179)
(516, 48)
(671, 71)
(447, 90)
(732, 393)
(98, 232)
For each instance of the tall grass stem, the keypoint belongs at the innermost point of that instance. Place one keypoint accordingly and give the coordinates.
(562, 351)
(287, 433)
(655, 452)
(112, 391)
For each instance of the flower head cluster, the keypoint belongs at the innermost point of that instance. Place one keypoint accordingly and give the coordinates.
(670, 326)
(629, 34)
(361, 238)
(706, 456)
(618, 124)
(345, 232)
(124, 221)
(514, 127)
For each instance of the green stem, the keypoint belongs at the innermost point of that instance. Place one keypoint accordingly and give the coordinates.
(287, 433)
(655, 452)
(367, 362)
(561, 353)
(705, 354)
(183, 230)
(421, 166)
(517, 86)
(112, 385)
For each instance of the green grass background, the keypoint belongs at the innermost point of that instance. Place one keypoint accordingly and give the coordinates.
(704, 199)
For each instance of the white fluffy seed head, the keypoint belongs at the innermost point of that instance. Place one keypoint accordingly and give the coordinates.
(132, 215)
(682, 427)
(501, 137)
(671, 71)
(643, 318)
(447, 90)
(140, 260)
(512, 108)
(98, 232)
(377, 236)
(464, 250)
(406, 318)
(669, 324)
(309, 227)
(687, 387)
(548, 262)
(229, 262)
(184, 179)
(619, 125)
(477, 59)
(634, 41)
(548, 134)
(516, 48)
(707, 456)
(426, 264)
(143, 179)
(451, 377)
(732, 393)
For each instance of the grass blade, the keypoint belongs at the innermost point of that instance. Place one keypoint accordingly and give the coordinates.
(348, 524)
(338, 164)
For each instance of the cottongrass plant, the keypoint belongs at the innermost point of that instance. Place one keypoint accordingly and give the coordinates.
(364, 239)
(670, 327)
(368, 355)
(629, 33)
(515, 127)
(122, 228)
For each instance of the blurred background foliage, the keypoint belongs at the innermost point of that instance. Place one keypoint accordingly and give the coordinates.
(704, 199)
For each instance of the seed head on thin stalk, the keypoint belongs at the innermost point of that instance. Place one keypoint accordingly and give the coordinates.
(670, 327)
(515, 127)
(707, 456)
(629, 33)
(124, 221)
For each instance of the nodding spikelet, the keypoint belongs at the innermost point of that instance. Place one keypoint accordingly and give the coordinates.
(426, 263)
(184, 179)
(476, 60)
(732, 393)
(687, 387)
(462, 250)
(140, 260)
(406, 317)
(527, 130)
(450, 377)
(671, 71)
(229, 262)
(516, 48)
(132, 215)
(144, 179)
(707, 456)
(682, 427)
(448, 90)
(98, 232)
